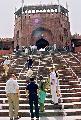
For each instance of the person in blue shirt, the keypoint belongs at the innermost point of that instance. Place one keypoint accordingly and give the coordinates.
(31, 91)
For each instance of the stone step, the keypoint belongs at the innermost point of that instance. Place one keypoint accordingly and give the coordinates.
(23, 100)
(19, 68)
(71, 105)
(21, 91)
(77, 94)
(74, 82)
(26, 113)
(20, 88)
(47, 100)
(70, 99)
(65, 82)
(70, 90)
(69, 86)
(22, 95)
(48, 106)
(55, 112)
(67, 79)
(63, 88)
(20, 84)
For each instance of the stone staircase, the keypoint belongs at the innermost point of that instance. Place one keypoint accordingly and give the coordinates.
(68, 66)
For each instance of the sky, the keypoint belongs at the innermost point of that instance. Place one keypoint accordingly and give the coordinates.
(7, 9)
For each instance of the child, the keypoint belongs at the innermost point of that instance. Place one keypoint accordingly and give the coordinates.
(48, 83)
(42, 96)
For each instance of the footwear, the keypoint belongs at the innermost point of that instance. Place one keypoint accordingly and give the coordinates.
(56, 104)
(32, 118)
(37, 118)
(17, 118)
(11, 118)
(52, 102)
(41, 111)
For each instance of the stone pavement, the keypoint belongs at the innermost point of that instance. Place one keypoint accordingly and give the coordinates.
(48, 118)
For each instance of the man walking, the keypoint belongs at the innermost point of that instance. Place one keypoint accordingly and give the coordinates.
(31, 89)
(12, 93)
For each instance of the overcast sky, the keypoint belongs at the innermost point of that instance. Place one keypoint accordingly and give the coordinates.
(7, 9)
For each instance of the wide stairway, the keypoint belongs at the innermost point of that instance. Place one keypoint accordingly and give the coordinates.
(69, 69)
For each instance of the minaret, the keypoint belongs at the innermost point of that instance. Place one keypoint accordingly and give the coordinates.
(67, 7)
(22, 13)
(58, 6)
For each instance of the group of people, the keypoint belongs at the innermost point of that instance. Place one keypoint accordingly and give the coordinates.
(36, 93)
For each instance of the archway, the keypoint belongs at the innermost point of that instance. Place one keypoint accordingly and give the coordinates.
(41, 36)
(39, 31)
(41, 43)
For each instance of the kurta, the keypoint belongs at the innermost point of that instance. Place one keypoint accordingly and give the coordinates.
(42, 96)
(54, 84)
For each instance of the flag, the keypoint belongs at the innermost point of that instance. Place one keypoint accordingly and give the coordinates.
(15, 9)
(66, 6)
(22, 5)
(15, 12)
(51, 3)
(22, 1)
(40, 2)
(58, 6)
(22, 13)
(58, 2)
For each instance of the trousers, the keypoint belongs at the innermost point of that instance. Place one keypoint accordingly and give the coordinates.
(13, 100)
(34, 100)
(54, 94)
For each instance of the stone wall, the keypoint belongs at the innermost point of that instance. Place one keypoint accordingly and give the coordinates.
(53, 26)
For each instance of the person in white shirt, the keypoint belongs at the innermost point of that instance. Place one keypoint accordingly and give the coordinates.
(29, 74)
(6, 65)
(7, 61)
(54, 46)
(54, 86)
(26, 51)
(12, 93)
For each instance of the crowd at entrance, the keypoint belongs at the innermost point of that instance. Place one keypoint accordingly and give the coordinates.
(44, 47)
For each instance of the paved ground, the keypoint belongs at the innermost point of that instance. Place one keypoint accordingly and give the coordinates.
(48, 118)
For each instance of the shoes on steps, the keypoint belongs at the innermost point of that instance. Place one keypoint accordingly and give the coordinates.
(16, 118)
(56, 104)
(32, 118)
(52, 102)
(11, 118)
(37, 118)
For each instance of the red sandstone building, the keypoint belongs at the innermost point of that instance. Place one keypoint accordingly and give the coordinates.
(6, 45)
(76, 39)
(42, 21)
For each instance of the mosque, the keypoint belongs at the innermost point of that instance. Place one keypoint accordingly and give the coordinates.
(42, 25)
